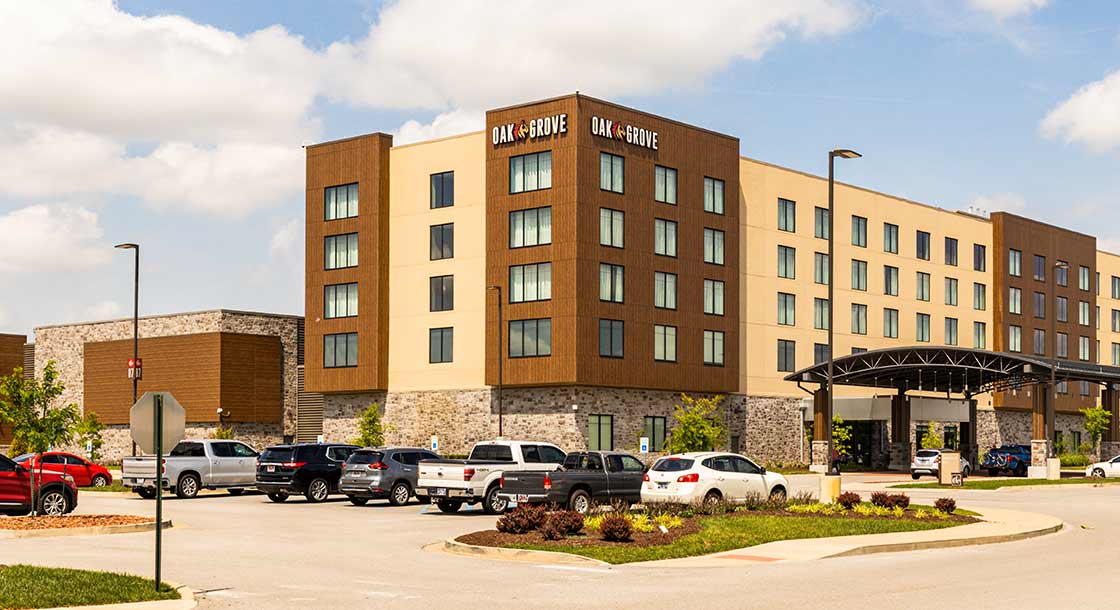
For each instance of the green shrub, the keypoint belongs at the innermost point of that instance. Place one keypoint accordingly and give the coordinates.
(889, 500)
(222, 433)
(1074, 460)
(521, 520)
(615, 528)
(848, 499)
(945, 505)
(567, 522)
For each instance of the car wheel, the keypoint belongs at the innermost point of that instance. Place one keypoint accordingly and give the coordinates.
(580, 502)
(494, 504)
(188, 486)
(278, 496)
(357, 501)
(1098, 472)
(712, 498)
(915, 476)
(400, 493)
(146, 492)
(317, 490)
(100, 481)
(449, 506)
(1020, 471)
(992, 472)
(236, 491)
(778, 494)
(54, 503)
(966, 471)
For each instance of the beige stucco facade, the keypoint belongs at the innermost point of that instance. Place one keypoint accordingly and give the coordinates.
(1108, 301)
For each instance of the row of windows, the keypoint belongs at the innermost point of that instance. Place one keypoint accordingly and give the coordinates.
(1061, 271)
(787, 349)
(611, 234)
(1061, 307)
(600, 437)
(612, 342)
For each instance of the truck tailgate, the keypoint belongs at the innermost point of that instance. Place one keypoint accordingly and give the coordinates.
(437, 474)
(138, 468)
(528, 482)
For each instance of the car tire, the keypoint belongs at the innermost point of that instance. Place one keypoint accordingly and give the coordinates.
(580, 501)
(236, 491)
(54, 503)
(317, 490)
(1098, 473)
(778, 494)
(493, 504)
(915, 476)
(358, 501)
(993, 472)
(187, 487)
(146, 493)
(1020, 470)
(966, 471)
(713, 497)
(278, 496)
(99, 481)
(399, 493)
(449, 506)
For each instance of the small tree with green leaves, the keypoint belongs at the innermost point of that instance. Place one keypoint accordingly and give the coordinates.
(370, 431)
(224, 433)
(931, 439)
(88, 431)
(698, 425)
(841, 436)
(1097, 421)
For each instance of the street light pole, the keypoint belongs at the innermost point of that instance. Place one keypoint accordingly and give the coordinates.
(501, 409)
(135, 316)
(834, 466)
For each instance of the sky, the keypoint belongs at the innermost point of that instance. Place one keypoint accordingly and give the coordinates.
(179, 124)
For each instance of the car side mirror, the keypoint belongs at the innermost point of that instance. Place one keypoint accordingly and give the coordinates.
(762, 469)
(20, 469)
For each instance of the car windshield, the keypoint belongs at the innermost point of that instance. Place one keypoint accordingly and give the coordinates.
(23, 458)
(926, 453)
(277, 454)
(364, 457)
(672, 465)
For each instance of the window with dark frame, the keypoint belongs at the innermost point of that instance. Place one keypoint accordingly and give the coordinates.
(664, 290)
(665, 185)
(820, 268)
(713, 246)
(600, 432)
(787, 353)
(442, 241)
(664, 343)
(611, 223)
(340, 350)
(713, 347)
(664, 237)
(340, 201)
(441, 293)
(340, 251)
(443, 190)
(922, 334)
(787, 309)
(530, 338)
(340, 300)
(951, 251)
(610, 282)
(890, 238)
(713, 297)
(440, 345)
(713, 195)
(531, 172)
(1039, 268)
(787, 216)
(787, 262)
(979, 257)
(611, 338)
(921, 249)
(611, 172)
(532, 282)
(820, 223)
(859, 275)
(653, 428)
(532, 227)
(820, 353)
(859, 231)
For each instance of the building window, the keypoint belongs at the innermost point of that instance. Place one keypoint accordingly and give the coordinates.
(441, 293)
(1083, 278)
(787, 309)
(531, 172)
(890, 323)
(442, 238)
(921, 249)
(713, 347)
(713, 297)
(664, 290)
(1097, 317)
(820, 268)
(1040, 305)
(611, 172)
(653, 428)
(890, 238)
(340, 201)
(1083, 348)
(787, 351)
(859, 231)
(1040, 268)
(820, 314)
(713, 246)
(440, 341)
(713, 195)
(1039, 342)
(1061, 273)
(530, 282)
(1062, 306)
(820, 353)
(1015, 338)
(951, 291)
(859, 319)
(530, 338)
(600, 433)
(610, 282)
(950, 436)
(610, 228)
(340, 350)
(820, 223)
(1116, 354)
(787, 262)
(340, 251)
(979, 335)
(979, 257)
(1061, 350)
(1116, 321)
(859, 275)
(1084, 392)
(610, 338)
(787, 215)
(1015, 300)
(664, 343)
(443, 190)
(950, 331)
(665, 185)
(890, 280)
(1083, 313)
(340, 301)
(664, 237)
(1063, 388)
(922, 334)
(1115, 287)
(1014, 263)
(979, 296)
(858, 350)
(923, 286)
(950, 251)
(532, 227)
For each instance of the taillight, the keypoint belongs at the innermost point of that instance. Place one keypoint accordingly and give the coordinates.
(938, 460)
(547, 482)
(502, 481)
(468, 474)
(378, 466)
(294, 464)
(645, 477)
(692, 477)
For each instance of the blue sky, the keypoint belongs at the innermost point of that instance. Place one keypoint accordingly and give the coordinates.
(178, 124)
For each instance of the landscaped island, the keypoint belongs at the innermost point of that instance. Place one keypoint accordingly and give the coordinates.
(23, 586)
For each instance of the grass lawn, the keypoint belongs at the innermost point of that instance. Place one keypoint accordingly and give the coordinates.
(727, 533)
(23, 586)
(998, 483)
(116, 486)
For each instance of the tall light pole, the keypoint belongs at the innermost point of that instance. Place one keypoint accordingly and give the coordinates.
(843, 153)
(501, 410)
(135, 315)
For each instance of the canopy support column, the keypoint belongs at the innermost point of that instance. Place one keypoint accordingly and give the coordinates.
(822, 429)
(900, 431)
(1042, 424)
(1110, 440)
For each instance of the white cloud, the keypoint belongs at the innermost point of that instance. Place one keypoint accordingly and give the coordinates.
(445, 124)
(998, 202)
(102, 310)
(1005, 9)
(287, 240)
(51, 238)
(1091, 116)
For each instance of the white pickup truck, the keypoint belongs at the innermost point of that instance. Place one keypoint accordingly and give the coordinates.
(193, 465)
(451, 483)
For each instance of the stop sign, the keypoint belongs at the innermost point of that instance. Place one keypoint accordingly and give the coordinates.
(141, 420)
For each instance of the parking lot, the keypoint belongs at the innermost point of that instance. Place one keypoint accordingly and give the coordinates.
(246, 552)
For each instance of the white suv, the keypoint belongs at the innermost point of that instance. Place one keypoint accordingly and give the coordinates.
(708, 477)
(928, 461)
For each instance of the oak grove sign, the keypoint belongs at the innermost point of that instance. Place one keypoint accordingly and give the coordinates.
(616, 130)
(530, 129)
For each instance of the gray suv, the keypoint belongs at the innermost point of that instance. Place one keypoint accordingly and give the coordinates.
(388, 473)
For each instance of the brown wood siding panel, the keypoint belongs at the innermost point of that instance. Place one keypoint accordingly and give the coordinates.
(251, 378)
(11, 353)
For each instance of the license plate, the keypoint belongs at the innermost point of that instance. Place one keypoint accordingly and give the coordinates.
(522, 497)
(353, 473)
(661, 485)
(271, 468)
(439, 491)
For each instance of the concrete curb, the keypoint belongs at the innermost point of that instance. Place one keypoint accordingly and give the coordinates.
(186, 601)
(454, 547)
(84, 531)
(871, 549)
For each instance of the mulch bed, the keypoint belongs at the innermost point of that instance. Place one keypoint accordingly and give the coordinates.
(70, 521)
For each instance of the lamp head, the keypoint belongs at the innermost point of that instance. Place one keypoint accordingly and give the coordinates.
(845, 153)
(127, 246)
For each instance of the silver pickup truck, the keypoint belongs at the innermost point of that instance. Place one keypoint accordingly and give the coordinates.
(193, 465)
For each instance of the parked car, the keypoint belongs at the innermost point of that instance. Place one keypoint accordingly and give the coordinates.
(451, 483)
(310, 469)
(584, 479)
(928, 461)
(1101, 470)
(193, 465)
(85, 472)
(389, 473)
(709, 477)
(57, 493)
(1008, 458)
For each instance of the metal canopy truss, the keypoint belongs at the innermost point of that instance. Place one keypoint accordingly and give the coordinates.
(953, 370)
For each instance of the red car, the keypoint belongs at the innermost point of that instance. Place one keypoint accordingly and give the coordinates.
(85, 472)
(57, 493)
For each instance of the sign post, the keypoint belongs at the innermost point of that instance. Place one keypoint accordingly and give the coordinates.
(157, 439)
(156, 421)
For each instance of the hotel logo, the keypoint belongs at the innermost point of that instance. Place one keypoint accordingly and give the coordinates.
(615, 130)
(531, 129)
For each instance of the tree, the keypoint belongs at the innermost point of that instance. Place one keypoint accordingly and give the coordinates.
(89, 435)
(841, 436)
(370, 431)
(222, 433)
(931, 440)
(699, 425)
(1097, 420)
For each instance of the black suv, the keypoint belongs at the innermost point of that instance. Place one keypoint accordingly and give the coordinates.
(310, 469)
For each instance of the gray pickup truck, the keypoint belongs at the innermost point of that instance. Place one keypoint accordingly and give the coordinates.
(194, 465)
(586, 478)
